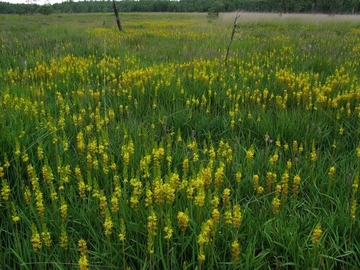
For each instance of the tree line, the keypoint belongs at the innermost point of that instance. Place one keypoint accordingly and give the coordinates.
(283, 6)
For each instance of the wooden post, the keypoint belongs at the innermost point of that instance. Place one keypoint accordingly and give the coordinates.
(117, 16)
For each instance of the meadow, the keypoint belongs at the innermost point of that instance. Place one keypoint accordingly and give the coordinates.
(144, 149)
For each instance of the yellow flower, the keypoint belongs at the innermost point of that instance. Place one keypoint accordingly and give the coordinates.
(35, 238)
(46, 237)
(199, 199)
(256, 181)
(108, 224)
(250, 153)
(313, 153)
(201, 257)
(63, 238)
(152, 223)
(219, 175)
(296, 183)
(122, 233)
(235, 251)
(5, 190)
(228, 217)
(332, 172)
(276, 205)
(83, 263)
(226, 197)
(83, 248)
(317, 234)
(237, 216)
(168, 228)
(353, 209)
(238, 177)
(183, 220)
(39, 202)
(63, 210)
(215, 214)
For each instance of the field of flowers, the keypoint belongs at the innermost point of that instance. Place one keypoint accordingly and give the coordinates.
(145, 150)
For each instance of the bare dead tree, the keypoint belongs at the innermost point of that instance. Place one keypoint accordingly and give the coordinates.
(117, 16)
(234, 30)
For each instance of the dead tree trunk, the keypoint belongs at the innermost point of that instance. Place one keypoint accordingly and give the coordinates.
(232, 36)
(117, 16)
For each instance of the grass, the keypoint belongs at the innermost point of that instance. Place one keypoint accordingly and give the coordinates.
(143, 150)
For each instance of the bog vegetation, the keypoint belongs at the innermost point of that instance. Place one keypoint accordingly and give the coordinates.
(144, 150)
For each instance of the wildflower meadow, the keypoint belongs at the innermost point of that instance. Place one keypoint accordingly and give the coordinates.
(144, 149)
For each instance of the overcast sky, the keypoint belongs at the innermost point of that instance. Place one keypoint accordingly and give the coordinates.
(39, 2)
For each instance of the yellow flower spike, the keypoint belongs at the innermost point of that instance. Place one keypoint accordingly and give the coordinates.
(274, 158)
(235, 251)
(219, 175)
(313, 153)
(228, 217)
(226, 197)
(39, 202)
(122, 234)
(40, 152)
(288, 164)
(285, 183)
(64, 238)
(256, 181)
(341, 131)
(5, 190)
(250, 153)
(183, 220)
(353, 209)
(331, 172)
(35, 238)
(317, 234)
(152, 223)
(27, 195)
(276, 205)
(199, 199)
(63, 209)
(108, 225)
(46, 236)
(168, 228)
(14, 217)
(295, 147)
(237, 216)
(296, 184)
(83, 263)
(238, 176)
(103, 205)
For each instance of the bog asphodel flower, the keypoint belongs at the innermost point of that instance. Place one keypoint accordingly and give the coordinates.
(235, 251)
(5, 190)
(152, 223)
(317, 234)
(332, 172)
(108, 225)
(122, 233)
(64, 238)
(35, 238)
(183, 220)
(168, 228)
(296, 184)
(237, 216)
(250, 153)
(276, 204)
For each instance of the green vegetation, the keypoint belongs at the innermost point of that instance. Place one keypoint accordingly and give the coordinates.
(143, 150)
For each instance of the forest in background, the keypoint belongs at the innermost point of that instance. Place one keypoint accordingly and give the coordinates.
(284, 6)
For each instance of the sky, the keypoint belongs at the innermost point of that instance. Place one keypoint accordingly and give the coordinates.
(39, 2)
